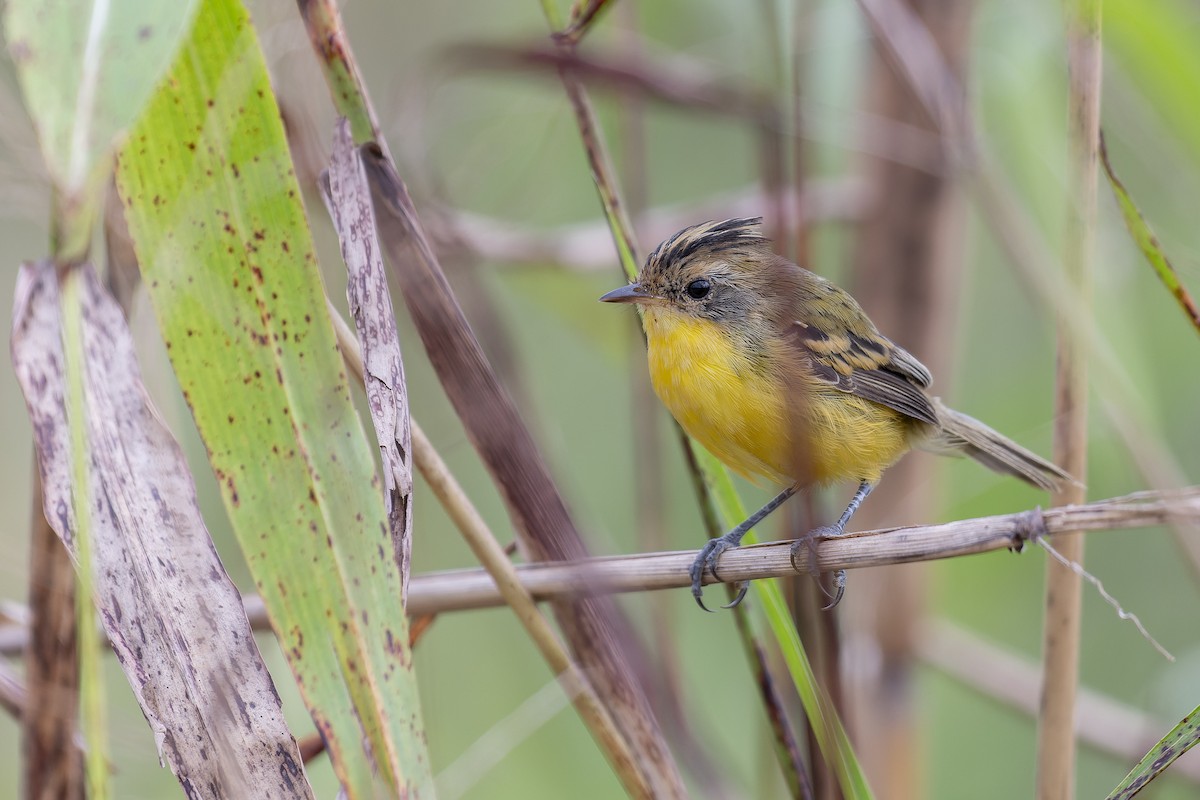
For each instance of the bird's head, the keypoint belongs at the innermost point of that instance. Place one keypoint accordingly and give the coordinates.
(721, 271)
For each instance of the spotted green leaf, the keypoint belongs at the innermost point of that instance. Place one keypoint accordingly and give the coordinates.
(216, 218)
(1181, 739)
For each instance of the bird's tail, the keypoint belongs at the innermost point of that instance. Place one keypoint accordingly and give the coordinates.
(961, 435)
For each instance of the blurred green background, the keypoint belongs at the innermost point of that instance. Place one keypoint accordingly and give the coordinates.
(506, 146)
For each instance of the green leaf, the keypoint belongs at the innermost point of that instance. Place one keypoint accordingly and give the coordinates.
(1181, 739)
(1147, 242)
(92, 706)
(216, 218)
(87, 67)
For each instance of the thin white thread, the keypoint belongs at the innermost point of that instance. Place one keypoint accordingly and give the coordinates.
(1108, 598)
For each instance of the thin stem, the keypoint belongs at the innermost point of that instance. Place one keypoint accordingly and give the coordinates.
(1060, 642)
(51, 764)
(323, 22)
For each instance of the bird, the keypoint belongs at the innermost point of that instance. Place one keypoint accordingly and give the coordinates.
(782, 376)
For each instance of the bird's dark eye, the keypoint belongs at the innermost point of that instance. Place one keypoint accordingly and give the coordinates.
(698, 289)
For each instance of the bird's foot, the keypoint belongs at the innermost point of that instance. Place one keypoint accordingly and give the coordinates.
(809, 542)
(707, 559)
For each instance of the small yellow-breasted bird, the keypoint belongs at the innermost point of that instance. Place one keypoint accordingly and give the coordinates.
(781, 375)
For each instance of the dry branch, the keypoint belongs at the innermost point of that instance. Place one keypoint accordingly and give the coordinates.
(692, 87)
(908, 261)
(461, 590)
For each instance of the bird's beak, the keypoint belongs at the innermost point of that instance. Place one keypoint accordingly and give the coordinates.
(633, 293)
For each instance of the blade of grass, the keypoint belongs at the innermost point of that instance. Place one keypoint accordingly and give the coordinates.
(1178, 741)
(219, 229)
(827, 728)
(92, 701)
(796, 774)
(1147, 242)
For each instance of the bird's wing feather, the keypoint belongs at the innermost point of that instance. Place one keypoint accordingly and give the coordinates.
(863, 362)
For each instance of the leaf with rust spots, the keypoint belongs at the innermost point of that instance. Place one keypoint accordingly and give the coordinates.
(1179, 740)
(174, 618)
(299, 468)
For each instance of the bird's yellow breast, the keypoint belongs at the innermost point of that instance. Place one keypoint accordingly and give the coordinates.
(728, 398)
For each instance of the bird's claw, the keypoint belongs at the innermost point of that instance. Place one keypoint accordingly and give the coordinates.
(809, 542)
(741, 595)
(839, 589)
(707, 559)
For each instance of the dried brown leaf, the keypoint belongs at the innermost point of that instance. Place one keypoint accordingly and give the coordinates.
(348, 198)
(174, 617)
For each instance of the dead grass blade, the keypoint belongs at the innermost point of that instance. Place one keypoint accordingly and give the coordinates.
(348, 200)
(164, 597)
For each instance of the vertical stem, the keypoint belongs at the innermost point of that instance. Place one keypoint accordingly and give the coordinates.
(1056, 733)
(52, 764)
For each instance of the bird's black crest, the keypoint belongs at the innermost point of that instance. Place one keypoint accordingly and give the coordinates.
(712, 237)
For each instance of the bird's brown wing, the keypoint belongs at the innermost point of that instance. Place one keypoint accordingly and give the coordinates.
(862, 361)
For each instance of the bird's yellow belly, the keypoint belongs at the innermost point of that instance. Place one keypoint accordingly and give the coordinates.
(741, 413)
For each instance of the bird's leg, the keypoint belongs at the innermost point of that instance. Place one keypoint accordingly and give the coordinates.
(708, 556)
(810, 540)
